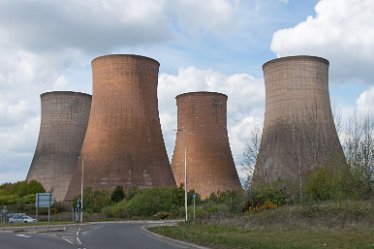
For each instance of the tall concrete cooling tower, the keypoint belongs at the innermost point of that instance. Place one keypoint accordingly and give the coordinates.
(202, 122)
(64, 118)
(299, 132)
(124, 143)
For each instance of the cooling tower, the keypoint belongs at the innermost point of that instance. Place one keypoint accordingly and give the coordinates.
(299, 132)
(64, 118)
(202, 122)
(124, 143)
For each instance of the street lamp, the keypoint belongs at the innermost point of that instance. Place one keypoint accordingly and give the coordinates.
(185, 173)
(81, 218)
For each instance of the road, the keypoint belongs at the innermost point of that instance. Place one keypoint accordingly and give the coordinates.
(127, 235)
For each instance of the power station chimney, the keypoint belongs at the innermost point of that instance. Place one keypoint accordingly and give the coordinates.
(124, 143)
(202, 130)
(64, 118)
(299, 134)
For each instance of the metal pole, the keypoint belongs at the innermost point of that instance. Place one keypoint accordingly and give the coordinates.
(37, 211)
(185, 175)
(49, 208)
(194, 206)
(82, 190)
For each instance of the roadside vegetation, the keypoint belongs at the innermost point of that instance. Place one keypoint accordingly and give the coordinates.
(19, 196)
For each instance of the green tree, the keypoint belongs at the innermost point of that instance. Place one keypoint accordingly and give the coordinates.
(118, 194)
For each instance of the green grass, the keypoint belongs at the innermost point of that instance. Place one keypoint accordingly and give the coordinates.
(226, 237)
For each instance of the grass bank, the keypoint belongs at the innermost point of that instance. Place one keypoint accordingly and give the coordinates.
(343, 225)
(215, 236)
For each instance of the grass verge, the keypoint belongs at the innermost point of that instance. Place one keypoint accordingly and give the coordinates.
(224, 237)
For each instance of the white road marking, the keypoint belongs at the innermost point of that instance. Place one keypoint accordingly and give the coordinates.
(68, 241)
(23, 236)
(77, 236)
(79, 241)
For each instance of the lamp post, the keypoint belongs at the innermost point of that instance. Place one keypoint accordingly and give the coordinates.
(185, 173)
(82, 178)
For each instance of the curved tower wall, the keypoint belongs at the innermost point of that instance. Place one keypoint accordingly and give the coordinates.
(210, 166)
(299, 132)
(124, 143)
(64, 118)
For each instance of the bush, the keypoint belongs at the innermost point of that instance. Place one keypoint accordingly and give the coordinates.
(148, 202)
(320, 186)
(94, 201)
(118, 210)
(29, 199)
(6, 199)
(337, 183)
(231, 201)
(23, 188)
(155, 202)
(118, 194)
(267, 197)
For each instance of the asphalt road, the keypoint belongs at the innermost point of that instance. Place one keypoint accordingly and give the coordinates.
(95, 236)
(32, 241)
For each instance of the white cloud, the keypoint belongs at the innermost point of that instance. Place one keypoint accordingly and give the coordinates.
(341, 31)
(365, 102)
(88, 25)
(17, 148)
(216, 16)
(101, 26)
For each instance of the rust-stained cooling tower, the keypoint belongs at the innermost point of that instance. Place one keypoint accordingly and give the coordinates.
(124, 143)
(299, 132)
(210, 166)
(64, 118)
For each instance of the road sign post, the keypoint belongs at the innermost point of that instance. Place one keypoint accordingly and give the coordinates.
(194, 204)
(44, 200)
(4, 213)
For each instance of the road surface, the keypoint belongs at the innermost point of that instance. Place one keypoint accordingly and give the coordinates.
(127, 235)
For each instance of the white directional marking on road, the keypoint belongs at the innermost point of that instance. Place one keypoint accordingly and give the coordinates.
(79, 241)
(68, 241)
(23, 236)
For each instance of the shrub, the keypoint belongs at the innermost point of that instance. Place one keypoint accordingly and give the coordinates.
(321, 186)
(154, 202)
(6, 199)
(118, 210)
(267, 197)
(231, 201)
(23, 188)
(150, 201)
(94, 201)
(339, 183)
(118, 194)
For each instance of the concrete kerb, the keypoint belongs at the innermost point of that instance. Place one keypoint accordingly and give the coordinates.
(145, 230)
(31, 228)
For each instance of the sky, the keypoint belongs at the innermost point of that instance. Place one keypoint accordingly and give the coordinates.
(202, 45)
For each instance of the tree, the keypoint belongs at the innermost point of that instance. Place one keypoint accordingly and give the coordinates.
(359, 147)
(249, 156)
(118, 194)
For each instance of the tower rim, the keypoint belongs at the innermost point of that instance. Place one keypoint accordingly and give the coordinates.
(65, 93)
(200, 92)
(295, 57)
(125, 55)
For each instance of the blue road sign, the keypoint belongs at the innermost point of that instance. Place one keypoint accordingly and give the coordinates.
(44, 200)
